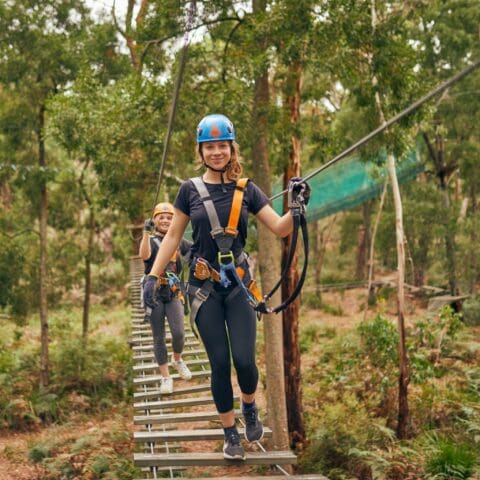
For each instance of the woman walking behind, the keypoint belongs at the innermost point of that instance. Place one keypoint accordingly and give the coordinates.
(169, 297)
(217, 204)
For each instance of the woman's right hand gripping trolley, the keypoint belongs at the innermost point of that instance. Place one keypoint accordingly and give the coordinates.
(221, 292)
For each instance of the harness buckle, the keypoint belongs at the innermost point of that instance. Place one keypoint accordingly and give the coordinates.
(202, 296)
(217, 232)
(202, 271)
(226, 258)
(231, 231)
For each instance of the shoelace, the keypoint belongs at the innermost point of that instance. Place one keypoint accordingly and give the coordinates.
(233, 438)
(250, 417)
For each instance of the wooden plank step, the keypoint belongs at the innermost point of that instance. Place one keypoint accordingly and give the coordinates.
(150, 356)
(182, 402)
(153, 366)
(155, 393)
(213, 459)
(167, 418)
(187, 435)
(148, 379)
(146, 348)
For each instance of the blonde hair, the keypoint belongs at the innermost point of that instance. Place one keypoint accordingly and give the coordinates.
(234, 170)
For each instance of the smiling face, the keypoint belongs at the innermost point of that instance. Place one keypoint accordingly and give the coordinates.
(162, 222)
(216, 154)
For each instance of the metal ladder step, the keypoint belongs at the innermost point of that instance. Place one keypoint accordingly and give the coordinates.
(155, 393)
(148, 379)
(188, 435)
(182, 402)
(213, 459)
(160, 419)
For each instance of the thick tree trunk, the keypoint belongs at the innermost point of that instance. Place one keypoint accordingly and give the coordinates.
(268, 254)
(291, 314)
(44, 361)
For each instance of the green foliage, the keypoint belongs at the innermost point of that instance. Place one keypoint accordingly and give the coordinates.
(312, 333)
(451, 460)
(380, 339)
(335, 444)
(471, 310)
(85, 378)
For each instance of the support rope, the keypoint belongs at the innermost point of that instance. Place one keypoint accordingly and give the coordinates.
(414, 106)
(178, 82)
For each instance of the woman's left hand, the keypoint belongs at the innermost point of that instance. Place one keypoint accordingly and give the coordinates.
(149, 291)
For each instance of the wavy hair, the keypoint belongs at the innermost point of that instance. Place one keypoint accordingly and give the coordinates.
(234, 169)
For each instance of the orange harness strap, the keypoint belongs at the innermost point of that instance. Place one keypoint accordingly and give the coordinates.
(231, 228)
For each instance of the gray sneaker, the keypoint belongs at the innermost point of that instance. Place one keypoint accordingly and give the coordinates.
(253, 425)
(232, 448)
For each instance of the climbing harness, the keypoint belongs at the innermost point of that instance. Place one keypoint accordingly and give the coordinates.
(230, 267)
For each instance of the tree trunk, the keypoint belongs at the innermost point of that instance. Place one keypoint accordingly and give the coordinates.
(268, 254)
(371, 256)
(291, 314)
(316, 245)
(363, 242)
(403, 380)
(437, 155)
(44, 361)
(88, 275)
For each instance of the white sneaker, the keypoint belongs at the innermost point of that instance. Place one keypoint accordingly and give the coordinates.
(166, 385)
(182, 369)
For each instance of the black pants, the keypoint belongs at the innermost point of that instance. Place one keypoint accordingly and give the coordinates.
(224, 325)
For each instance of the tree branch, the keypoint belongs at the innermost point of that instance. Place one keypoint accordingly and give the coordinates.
(157, 41)
(115, 22)
(227, 43)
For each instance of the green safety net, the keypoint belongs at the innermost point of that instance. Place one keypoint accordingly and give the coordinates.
(350, 183)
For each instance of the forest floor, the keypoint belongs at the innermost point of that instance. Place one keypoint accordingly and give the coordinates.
(345, 312)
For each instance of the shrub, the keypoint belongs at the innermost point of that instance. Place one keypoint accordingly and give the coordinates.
(450, 460)
(380, 339)
(471, 311)
(341, 431)
(312, 333)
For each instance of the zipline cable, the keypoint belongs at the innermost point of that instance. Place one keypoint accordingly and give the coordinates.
(176, 91)
(262, 307)
(414, 106)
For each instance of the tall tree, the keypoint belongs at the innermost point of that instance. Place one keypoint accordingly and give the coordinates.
(38, 57)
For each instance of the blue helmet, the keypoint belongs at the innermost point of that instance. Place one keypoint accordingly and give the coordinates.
(215, 127)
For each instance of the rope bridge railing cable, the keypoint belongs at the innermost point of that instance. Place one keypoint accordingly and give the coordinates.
(176, 91)
(414, 106)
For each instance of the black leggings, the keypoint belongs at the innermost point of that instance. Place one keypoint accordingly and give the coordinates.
(224, 326)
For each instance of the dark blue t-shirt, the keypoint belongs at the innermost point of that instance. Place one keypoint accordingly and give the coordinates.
(184, 248)
(189, 202)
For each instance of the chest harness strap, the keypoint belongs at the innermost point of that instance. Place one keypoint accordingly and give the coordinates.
(171, 278)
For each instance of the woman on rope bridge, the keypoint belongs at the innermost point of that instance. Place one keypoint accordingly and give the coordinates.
(221, 290)
(169, 298)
